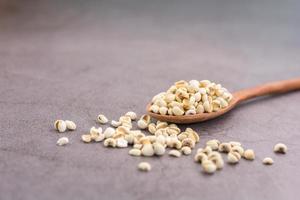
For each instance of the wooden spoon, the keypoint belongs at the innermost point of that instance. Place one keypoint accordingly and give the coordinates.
(238, 97)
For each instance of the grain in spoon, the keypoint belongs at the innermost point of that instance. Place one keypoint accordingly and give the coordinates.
(238, 97)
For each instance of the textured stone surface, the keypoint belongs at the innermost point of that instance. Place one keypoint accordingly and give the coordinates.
(73, 60)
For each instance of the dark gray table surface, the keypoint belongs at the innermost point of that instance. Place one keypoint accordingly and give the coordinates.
(76, 59)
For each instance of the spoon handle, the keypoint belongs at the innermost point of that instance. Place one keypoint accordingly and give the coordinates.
(268, 89)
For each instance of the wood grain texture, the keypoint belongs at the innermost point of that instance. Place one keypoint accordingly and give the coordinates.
(268, 89)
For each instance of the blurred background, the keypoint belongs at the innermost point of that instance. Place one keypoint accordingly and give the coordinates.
(76, 59)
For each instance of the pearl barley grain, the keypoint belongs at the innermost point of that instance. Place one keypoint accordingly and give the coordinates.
(218, 161)
(122, 143)
(175, 153)
(207, 150)
(60, 126)
(249, 154)
(268, 161)
(238, 149)
(86, 138)
(142, 124)
(189, 142)
(152, 128)
(209, 167)
(109, 132)
(214, 144)
(147, 150)
(144, 166)
(102, 119)
(159, 149)
(186, 150)
(280, 148)
(224, 147)
(233, 157)
(135, 152)
(116, 124)
(190, 112)
(95, 131)
(99, 138)
(62, 141)
(163, 110)
(132, 115)
(70, 125)
(110, 142)
(200, 157)
(154, 108)
(177, 111)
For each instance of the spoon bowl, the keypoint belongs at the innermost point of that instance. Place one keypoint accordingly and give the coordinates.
(188, 119)
(238, 97)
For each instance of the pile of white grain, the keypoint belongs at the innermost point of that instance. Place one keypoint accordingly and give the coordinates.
(160, 137)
